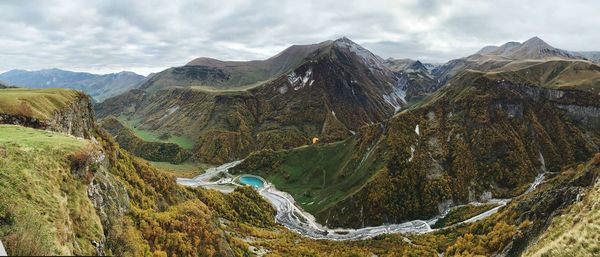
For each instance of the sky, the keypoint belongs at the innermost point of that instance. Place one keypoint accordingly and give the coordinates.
(148, 36)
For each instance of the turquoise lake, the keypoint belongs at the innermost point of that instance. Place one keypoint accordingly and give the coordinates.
(253, 181)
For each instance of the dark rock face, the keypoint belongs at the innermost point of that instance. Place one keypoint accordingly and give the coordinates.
(579, 106)
(21, 120)
(588, 115)
(76, 119)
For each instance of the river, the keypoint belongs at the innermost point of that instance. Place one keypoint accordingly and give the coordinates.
(293, 217)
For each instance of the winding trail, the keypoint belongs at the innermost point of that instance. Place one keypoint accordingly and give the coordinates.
(290, 215)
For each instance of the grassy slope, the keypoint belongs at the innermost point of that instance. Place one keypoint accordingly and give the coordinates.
(186, 170)
(36, 103)
(553, 74)
(44, 209)
(183, 141)
(319, 184)
(149, 150)
(317, 175)
(576, 232)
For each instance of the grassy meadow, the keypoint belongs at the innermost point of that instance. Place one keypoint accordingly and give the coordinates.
(36, 103)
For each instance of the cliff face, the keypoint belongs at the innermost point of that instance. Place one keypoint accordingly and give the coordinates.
(75, 116)
(579, 106)
(75, 119)
(106, 193)
(70, 179)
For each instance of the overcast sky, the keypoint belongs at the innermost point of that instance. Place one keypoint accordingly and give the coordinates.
(146, 36)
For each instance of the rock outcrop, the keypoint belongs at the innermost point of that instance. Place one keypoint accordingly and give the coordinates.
(76, 118)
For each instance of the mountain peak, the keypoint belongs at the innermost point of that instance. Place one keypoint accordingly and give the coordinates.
(536, 41)
(205, 61)
(344, 39)
(372, 60)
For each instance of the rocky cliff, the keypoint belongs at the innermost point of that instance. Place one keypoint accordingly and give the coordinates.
(64, 111)
(75, 119)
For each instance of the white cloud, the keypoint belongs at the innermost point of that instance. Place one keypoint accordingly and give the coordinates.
(150, 35)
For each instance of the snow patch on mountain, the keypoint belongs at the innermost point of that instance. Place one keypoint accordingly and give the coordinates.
(372, 61)
(397, 98)
(298, 82)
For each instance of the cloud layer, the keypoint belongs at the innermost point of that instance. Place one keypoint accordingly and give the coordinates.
(145, 36)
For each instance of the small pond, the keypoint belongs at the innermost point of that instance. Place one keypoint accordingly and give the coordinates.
(253, 181)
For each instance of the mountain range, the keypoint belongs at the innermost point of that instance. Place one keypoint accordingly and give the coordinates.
(339, 91)
(327, 90)
(99, 87)
(493, 154)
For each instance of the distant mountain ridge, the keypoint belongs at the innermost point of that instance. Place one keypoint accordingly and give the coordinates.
(213, 74)
(593, 56)
(326, 90)
(509, 55)
(99, 87)
(414, 77)
(533, 48)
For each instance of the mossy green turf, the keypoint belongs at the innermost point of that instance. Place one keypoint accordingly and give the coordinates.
(36, 103)
(186, 169)
(11, 135)
(314, 174)
(132, 124)
(47, 208)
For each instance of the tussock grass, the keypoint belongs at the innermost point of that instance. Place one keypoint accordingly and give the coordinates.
(44, 209)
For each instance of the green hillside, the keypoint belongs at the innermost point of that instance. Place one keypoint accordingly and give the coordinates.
(319, 175)
(44, 208)
(147, 149)
(564, 74)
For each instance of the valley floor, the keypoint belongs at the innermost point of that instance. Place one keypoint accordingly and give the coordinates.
(294, 218)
